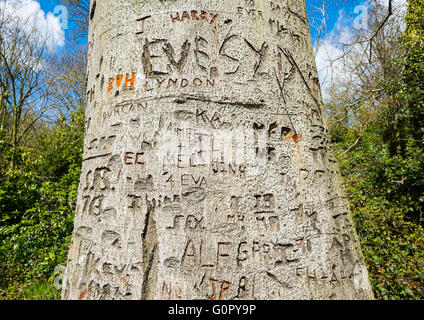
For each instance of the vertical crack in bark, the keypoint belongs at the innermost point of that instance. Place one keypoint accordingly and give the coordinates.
(150, 254)
(281, 87)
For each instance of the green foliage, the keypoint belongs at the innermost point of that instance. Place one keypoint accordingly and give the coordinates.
(402, 121)
(392, 242)
(37, 203)
(382, 162)
(35, 290)
(394, 251)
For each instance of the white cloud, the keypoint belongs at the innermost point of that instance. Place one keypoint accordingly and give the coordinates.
(32, 17)
(330, 68)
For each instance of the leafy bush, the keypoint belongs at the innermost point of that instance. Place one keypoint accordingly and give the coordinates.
(37, 203)
(386, 199)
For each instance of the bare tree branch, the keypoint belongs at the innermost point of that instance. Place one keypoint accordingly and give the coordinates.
(390, 12)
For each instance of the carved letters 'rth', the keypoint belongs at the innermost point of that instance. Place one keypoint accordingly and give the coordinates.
(207, 169)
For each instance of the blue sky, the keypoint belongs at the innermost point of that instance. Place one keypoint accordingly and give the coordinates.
(332, 10)
(49, 6)
(332, 7)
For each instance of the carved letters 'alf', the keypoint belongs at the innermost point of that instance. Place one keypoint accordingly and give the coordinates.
(207, 169)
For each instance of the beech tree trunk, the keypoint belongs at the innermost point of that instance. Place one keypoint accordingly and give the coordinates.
(207, 169)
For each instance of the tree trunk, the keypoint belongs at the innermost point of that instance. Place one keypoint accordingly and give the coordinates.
(207, 169)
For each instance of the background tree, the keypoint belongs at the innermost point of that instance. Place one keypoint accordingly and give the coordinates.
(41, 134)
(67, 79)
(25, 100)
(79, 13)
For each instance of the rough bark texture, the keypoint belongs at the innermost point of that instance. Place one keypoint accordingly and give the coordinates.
(207, 169)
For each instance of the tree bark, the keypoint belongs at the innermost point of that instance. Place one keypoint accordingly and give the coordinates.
(207, 169)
